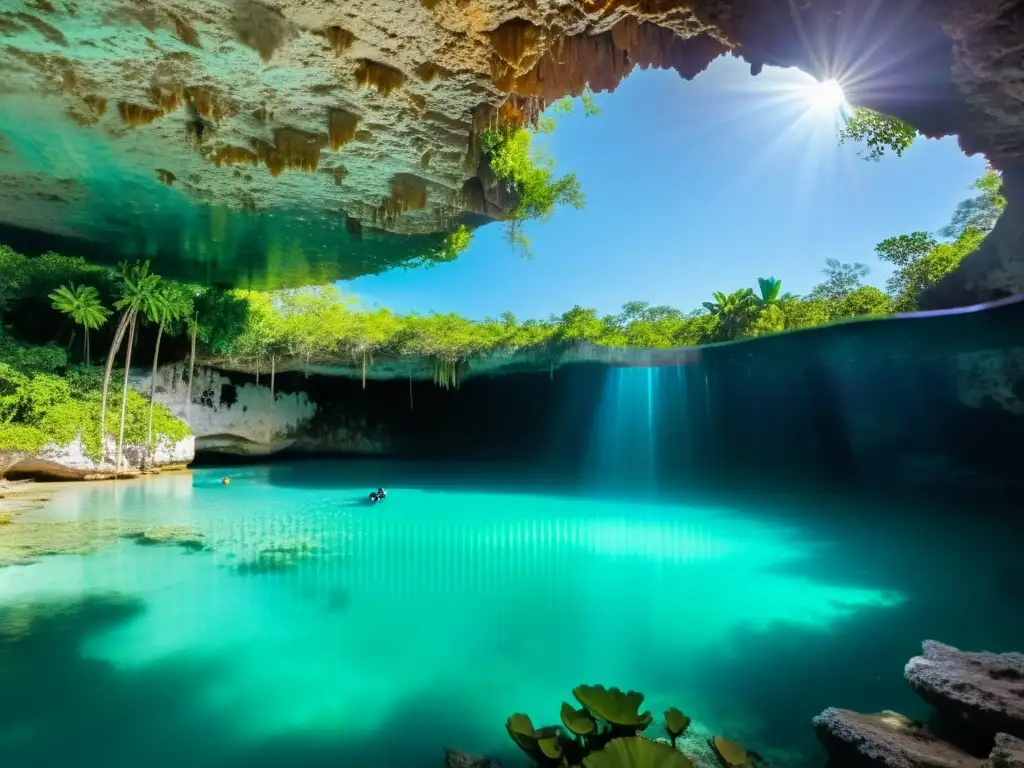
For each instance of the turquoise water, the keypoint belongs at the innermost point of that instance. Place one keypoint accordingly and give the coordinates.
(423, 622)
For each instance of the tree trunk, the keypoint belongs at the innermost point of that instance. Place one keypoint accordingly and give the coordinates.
(152, 387)
(85, 346)
(191, 368)
(270, 421)
(124, 394)
(71, 341)
(115, 345)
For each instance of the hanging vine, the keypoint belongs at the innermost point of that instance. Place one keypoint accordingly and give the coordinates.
(446, 373)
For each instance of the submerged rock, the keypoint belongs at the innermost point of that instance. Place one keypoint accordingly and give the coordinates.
(885, 740)
(1008, 752)
(182, 535)
(981, 693)
(456, 758)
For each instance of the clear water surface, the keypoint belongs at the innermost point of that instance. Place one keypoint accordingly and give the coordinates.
(426, 620)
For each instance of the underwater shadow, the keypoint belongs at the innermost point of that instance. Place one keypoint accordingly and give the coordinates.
(61, 708)
(413, 736)
(784, 674)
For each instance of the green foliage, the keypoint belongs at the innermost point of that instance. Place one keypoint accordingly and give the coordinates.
(42, 402)
(566, 104)
(840, 279)
(455, 244)
(734, 312)
(981, 211)
(530, 174)
(920, 274)
(862, 302)
(81, 303)
(140, 290)
(879, 132)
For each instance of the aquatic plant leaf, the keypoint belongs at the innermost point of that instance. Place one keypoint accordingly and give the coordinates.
(550, 747)
(637, 752)
(520, 728)
(613, 706)
(676, 722)
(578, 721)
(729, 753)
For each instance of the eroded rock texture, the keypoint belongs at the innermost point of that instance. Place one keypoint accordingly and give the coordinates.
(205, 117)
(885, 740)
(983, 693)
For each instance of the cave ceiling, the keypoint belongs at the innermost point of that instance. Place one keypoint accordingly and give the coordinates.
(299, 141)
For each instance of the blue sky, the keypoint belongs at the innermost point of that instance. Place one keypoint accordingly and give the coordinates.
(694, 187)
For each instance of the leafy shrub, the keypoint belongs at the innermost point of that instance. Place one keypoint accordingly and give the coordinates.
(39, 407)
(20, 437)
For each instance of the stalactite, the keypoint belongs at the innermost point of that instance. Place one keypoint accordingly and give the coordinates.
(257, 371)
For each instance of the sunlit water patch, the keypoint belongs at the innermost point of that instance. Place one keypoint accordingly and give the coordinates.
(320, 615)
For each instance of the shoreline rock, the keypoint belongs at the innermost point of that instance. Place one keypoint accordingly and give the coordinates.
(70, 462)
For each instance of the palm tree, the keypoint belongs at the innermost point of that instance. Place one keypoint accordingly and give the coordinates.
(138, 294)
(732, 310)
(170, 306)
(82, 304)
(193, 329)
(771, 292)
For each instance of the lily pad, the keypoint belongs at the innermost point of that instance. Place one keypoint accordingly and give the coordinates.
(637, 752)
(729, 753)
(676, 722)
(613, 706)
(578, 721)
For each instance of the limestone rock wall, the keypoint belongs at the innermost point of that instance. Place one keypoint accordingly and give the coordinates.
(366, 115)
(239, 417)
(71, 462)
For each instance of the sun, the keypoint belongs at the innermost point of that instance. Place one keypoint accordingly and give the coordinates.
(827, 94)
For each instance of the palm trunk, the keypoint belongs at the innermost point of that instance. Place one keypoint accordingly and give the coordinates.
(191, 368)
(115, 345)
(270, 434)
(85, 346)
(152, 387)
(124, 395)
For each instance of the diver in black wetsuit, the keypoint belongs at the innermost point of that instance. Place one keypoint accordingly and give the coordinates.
(379, 495)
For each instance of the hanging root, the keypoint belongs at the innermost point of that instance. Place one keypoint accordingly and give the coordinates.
(446, 373)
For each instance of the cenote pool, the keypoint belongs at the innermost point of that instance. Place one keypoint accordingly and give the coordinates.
(316, 630)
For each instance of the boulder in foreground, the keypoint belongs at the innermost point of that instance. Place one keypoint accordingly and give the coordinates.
(885, 740)
(980, 693)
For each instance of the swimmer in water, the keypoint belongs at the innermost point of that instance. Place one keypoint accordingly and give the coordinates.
(225, 481)
(381, 493)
